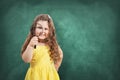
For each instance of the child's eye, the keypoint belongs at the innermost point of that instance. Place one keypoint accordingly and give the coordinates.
(39, 27)
(46, 28)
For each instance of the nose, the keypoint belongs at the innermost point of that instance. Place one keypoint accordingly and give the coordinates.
(43, 31)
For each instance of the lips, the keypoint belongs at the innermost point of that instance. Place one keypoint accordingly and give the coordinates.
(42, 34)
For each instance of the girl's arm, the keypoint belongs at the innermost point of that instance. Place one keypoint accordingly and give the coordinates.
(27, 54)
(57, 65)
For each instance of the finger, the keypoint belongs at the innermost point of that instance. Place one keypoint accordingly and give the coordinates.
(34, 38)
(35, 42)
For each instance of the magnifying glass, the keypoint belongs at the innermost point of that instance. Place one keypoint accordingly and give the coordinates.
(38, 39)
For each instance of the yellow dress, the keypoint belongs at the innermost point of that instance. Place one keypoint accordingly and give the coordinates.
(41, 66)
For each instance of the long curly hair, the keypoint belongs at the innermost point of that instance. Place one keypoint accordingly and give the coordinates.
(50, 41)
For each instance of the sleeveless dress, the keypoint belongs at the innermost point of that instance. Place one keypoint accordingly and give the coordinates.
(41, 65)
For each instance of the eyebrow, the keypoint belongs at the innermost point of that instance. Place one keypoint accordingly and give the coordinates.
(39, 24)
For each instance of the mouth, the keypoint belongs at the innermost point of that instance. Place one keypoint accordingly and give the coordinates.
(42, 37)
(42, 34)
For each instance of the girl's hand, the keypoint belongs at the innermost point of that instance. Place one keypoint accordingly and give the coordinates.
(33, 41)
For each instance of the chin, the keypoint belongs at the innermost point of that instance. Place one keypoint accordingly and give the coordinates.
(42, 38)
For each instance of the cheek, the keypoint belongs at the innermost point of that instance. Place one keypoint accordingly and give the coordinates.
(47, 32)
(37, 31)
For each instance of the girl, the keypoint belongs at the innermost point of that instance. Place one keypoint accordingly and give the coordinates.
(42, 51)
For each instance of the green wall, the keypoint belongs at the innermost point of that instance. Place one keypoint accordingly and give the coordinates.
(87, 31)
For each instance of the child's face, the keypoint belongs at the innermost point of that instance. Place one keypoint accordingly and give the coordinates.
(42, 29)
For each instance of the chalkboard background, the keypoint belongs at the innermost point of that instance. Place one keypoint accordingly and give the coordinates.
(88, 32)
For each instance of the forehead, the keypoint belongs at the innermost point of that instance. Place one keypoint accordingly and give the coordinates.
(42, 23)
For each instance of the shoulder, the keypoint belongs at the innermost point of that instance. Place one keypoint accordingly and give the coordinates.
(60, 52)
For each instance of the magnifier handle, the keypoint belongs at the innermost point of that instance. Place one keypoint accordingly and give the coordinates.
(34, 46)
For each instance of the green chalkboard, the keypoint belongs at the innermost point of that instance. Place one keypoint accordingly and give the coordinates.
(87, 31)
